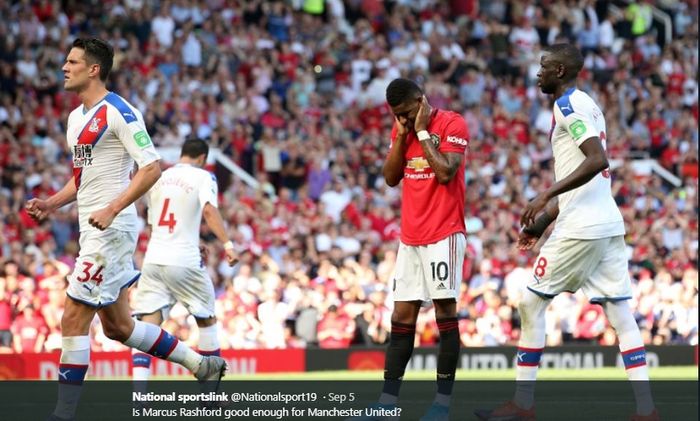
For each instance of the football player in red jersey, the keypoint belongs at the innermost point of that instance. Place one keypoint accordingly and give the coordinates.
(428, 147)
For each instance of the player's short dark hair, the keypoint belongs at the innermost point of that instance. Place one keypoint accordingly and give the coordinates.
(194, 148)
(99, 52)
(569, 55)
(401, 90)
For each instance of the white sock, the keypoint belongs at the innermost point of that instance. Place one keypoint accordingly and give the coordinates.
(209, 340)
(155, 341)
(532, 339)
(633, 354)
(75, 357)
(141, 369)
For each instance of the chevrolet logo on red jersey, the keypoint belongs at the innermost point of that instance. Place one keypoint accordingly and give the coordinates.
(418, 164)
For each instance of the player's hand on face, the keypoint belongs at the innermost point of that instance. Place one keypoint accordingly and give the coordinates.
(526, 241)
(102, 218)
(401, 130)
(532, 209)
(37, 209)
(231, 257)
(423, 116)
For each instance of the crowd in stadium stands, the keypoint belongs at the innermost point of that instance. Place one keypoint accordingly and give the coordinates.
(293, 92)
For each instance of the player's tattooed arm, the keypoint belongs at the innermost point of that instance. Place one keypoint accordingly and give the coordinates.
(445, 165)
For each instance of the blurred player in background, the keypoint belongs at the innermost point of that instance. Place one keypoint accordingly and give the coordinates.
(173, 270)
(586, 249)
(106, 136)
(428, 147)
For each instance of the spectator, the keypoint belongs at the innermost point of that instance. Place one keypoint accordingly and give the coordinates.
(591, 323)
(293, 168)
(335, 330)
(336, 200)
(640, 16)
(163, 26)
(6, 341)
(29, 331)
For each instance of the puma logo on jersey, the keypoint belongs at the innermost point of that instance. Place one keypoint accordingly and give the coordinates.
(565, 107)
(94, 125)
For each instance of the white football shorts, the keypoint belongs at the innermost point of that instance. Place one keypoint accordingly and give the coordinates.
(105, 266)
(161, 286)
(597, 267)
(430, 272)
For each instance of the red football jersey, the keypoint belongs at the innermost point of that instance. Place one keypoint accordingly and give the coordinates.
(431, 211)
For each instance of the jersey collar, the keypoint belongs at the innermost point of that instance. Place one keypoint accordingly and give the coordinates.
(85, 111)
(568, 92)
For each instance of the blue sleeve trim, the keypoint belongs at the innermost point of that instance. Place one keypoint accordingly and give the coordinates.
(121, 106)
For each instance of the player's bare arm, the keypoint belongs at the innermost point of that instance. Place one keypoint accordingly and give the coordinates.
(39, 209)
(396, 161)
(444, 166)
(216, 223)
(595, 162)
(143, 180)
